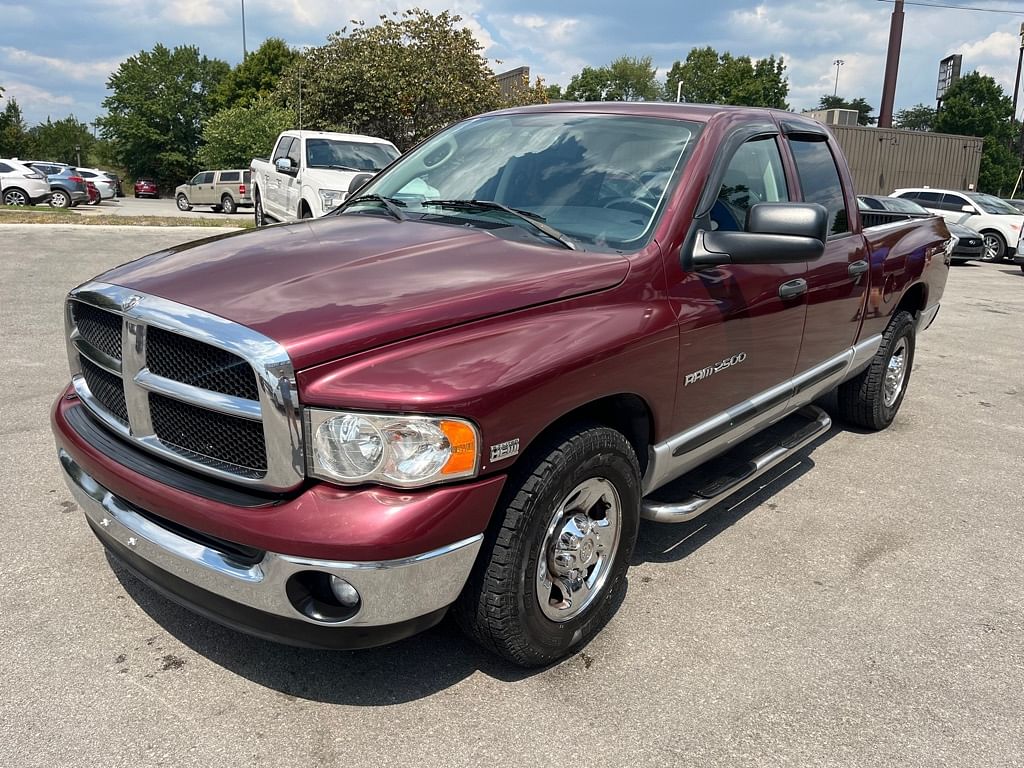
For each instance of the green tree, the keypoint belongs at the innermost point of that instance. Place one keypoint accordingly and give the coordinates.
(864, 110)
(59, 140)
(710, 77)
(625, 79)
(15, 140)
(401, 79)
(919, 117)
(554, 92)
(234, 136)
(257, 76)
(975, 105)
(155, 113)
(591, 84)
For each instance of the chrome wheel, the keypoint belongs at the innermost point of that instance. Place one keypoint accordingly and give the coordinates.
(183, 203)
(258, 212)
(578, 549)
(896, 373)
(991, 247)
(15, 197)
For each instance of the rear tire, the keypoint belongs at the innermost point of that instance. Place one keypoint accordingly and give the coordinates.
(15, 196)
(872, 398)
(227, 204)
(554, 561)
(60, 199)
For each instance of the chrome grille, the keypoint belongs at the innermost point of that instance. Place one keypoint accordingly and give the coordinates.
(209, 437)
(107, 388)
(192, 362)
(194, 388)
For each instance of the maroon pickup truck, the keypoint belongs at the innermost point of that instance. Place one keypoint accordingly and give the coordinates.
(466, 387)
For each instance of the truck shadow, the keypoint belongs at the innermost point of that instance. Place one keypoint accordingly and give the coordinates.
(442, 656)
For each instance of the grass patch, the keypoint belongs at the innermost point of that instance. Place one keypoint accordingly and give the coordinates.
(40, 215)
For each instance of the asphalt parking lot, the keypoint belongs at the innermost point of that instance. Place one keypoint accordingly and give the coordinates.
(147, 206)
(864, 608)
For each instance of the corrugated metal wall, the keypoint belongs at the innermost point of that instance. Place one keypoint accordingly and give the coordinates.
(884, 159)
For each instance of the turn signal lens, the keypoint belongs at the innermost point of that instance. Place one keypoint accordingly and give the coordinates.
(462, 439)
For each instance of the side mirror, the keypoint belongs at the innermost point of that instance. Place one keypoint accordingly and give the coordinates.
(358, 182)
(284, 165)
(777, 233)
(968, 209)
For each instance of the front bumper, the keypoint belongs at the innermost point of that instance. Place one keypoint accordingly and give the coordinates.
(397, 597)
(236, 557)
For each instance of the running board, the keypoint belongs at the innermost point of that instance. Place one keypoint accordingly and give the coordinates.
(712, 491)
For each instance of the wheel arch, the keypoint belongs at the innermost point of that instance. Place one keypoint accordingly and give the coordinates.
(625, 412)
(913, 300)
(12, 188)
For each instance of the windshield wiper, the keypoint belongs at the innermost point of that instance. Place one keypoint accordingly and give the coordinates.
(535, 220)
(335, 167)
(387, 202)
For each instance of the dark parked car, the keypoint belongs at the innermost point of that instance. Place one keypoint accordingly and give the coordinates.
(969, 243)
(146, 188)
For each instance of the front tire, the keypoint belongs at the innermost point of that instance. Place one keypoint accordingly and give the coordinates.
(183, 203)
(993, 247)
(257, 211)
(554, 562)
(872, 398)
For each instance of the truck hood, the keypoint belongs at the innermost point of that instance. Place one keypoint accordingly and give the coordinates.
(328, 178)
(339, 285)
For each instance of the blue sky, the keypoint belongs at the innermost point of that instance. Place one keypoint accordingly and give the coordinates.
(55, 57)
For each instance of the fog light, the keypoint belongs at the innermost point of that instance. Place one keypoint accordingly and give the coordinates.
(345, 592)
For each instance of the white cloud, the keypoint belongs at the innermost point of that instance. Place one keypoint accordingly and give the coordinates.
(40, 98)
(194, 13)
(81, 71)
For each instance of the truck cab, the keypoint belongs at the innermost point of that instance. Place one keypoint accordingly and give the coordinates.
(309, 172)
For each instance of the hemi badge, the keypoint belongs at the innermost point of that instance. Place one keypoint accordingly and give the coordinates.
(504, 450)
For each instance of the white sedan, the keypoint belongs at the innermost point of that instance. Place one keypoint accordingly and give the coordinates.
(104, 182)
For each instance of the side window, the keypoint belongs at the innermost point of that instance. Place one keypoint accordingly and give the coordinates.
(955, 203)
(197, 179)
(227, 176)
(5, 168)
(293, 152)
(930, 200)
(754, 175)
(819, 180)
(283, 146)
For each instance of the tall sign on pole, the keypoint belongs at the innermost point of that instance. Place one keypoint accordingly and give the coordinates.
(949, 73)
(892, 66)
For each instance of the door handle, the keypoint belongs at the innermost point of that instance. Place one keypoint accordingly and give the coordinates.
(856, 269)
(792, 289)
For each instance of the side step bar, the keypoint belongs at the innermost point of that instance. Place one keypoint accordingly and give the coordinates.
(727, 484)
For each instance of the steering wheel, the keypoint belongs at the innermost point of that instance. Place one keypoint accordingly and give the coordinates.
(630, 202)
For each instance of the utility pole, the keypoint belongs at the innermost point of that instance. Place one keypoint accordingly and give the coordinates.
(837, 64)
(245, 50)
(1016, 83)
(892, 66)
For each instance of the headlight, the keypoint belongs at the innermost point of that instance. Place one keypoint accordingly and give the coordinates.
(401, 451)
(331, 198)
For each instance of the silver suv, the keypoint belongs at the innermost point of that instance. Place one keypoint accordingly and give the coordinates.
(221, 190)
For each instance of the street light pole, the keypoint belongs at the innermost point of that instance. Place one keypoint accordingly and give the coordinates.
(679, 85)
(245, 50)
(837, 64)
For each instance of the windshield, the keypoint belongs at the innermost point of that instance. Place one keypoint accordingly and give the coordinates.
(600, 180)
(991, 204)
(351, 155)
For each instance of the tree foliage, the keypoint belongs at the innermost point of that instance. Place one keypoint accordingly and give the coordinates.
(234, 136)
(975, 105)
(155, 113)
(257, 76)
(625, 79)
(58, 141)
(919, 117)
(860, 104)
(15, 140)
(402, 79)
(710, 77)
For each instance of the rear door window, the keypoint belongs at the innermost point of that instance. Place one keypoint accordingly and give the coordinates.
(819, 180)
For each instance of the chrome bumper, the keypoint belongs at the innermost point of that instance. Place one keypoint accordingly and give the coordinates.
(391, 591)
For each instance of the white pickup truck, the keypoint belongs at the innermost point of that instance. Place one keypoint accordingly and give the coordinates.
(310, 172)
